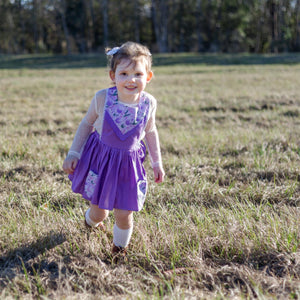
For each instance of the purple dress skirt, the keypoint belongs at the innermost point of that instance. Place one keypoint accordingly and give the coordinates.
(110, 172)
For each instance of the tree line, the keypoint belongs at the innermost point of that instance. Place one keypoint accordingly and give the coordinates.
(83, 26)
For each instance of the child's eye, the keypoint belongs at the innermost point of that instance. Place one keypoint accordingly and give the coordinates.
(139, 74)
(123, 74)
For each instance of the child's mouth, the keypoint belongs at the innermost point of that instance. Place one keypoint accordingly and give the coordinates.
(130, 88)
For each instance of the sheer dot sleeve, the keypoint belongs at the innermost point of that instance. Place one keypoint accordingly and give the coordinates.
(151, 137)
(86, 126)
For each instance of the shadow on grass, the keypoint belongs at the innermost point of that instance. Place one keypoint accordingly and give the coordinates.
(225, 59)
(47, 61)
(18, 260)
(271, 262)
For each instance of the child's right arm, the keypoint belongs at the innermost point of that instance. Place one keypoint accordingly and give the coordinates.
(70, 164)
(84, 130)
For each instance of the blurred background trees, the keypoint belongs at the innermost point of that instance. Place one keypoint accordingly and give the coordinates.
(83, 26)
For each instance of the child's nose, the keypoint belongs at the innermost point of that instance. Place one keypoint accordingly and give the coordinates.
(131, 78)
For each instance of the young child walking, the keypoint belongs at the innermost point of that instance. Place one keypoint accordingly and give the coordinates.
(105, 161)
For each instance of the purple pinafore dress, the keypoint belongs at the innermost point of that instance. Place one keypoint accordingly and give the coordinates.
(110, 172)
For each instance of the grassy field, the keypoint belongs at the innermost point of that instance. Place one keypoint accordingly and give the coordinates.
(226, 222)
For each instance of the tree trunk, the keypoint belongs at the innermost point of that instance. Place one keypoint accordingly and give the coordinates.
(282, 9)
(155, 20)
(274, 26)
(217, 42)
(22, 24)
(137, 21)
(35, 25)
(160, 22)
(62, 11)
(93, 34)
(181, 30)
(198, 28)
(259, 28)
(297, 25)
(105, 22)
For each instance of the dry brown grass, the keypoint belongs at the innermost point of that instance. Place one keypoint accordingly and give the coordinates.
(225, 224)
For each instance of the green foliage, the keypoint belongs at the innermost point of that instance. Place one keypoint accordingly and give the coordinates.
(69, 26)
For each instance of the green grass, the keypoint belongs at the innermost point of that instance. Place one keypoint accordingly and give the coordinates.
(224, 224)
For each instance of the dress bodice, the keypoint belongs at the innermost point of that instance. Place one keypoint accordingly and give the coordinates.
(123, 125)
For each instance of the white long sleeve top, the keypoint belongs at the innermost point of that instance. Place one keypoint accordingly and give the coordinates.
(94, 120)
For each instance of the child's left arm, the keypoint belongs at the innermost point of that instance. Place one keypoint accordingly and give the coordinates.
(159, 174)
(152, 142)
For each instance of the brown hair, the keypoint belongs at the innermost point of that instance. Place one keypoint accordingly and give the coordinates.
(131, 51)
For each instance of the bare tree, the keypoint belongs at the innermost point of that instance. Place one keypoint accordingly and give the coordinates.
(60, 7)
(35, 23)
(297, 25)
(259, 27)
(105, 21)
(274, 25)
(160, 23)
(137, 20)
(92, 14)
(198, 28)
(22, 26)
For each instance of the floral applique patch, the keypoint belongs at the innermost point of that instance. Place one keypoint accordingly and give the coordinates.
(142, 191)
(90, 183)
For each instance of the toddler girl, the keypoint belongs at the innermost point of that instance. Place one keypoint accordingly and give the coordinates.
(105, 161)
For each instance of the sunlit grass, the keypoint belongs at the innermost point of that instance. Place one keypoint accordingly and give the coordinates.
(225, 222)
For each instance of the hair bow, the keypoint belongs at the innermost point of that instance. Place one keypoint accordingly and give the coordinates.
(113, 51)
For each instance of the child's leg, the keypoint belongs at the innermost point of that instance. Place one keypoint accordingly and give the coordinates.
(95, 215)
(123, 227)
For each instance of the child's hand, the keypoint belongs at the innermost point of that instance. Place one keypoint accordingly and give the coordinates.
(70, 164)
(159, 174)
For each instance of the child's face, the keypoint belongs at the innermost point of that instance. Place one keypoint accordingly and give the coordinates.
(130, 79)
